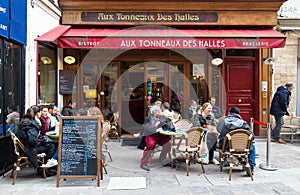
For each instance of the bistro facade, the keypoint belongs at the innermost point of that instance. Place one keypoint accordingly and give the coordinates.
(121, 55)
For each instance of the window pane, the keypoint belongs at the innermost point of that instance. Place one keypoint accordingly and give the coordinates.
(47, 74)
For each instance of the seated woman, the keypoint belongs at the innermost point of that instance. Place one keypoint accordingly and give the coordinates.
(151, 127)
(207, 120)
(28, 133)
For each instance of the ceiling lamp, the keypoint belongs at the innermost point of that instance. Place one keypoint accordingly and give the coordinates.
(69, 60)
(217, 61)
(46, 60)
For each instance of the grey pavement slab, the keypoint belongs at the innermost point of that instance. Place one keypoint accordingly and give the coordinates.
(164, 180)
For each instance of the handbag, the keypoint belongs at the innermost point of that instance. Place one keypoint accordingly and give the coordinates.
(203, 151)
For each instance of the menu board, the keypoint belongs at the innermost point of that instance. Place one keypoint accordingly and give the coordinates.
(66, 81)
(79, 153)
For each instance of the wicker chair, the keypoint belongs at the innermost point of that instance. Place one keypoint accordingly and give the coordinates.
(183, 124)
(106, 129)
(114, 127)
(239, 142)
(192, 141)
(22, 160)
(290, 129)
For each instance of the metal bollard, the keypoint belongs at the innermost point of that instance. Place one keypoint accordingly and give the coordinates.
(267, 166)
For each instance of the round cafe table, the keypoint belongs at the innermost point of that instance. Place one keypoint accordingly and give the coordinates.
(173, 134)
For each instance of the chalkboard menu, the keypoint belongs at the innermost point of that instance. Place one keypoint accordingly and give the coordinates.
(66, 81)
(79, 154)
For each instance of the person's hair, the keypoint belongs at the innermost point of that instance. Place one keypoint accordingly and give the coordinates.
(42, 107)
(205, 105)
(289, 84)
(234, 110)
(157, 99)
(82, 112)
(193, 101)
(31, 112)
(166, 106)
(209, 99)
(94, 111)
(51, 106)
(154, 107)
(71, 102)
(12, 107)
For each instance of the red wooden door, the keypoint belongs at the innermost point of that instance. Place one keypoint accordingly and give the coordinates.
(241, 89)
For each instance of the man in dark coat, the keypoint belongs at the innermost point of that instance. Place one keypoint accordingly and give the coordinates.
(69, 110)
(234, 121)
(279, 106)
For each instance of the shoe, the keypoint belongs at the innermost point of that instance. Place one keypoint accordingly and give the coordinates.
(165, 162)
(145, 167)
(214, 161)
(252, 171)
(50, 163)
(280, 141)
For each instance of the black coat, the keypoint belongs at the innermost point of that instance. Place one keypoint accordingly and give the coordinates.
(230, 123)
(68, 111)
(280, 101)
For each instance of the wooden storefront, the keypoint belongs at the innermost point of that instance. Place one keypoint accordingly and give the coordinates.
(129, 52)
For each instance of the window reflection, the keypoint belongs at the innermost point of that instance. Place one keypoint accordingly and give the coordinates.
(47, 74)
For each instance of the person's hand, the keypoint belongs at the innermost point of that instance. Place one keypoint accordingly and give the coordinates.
(159, 130)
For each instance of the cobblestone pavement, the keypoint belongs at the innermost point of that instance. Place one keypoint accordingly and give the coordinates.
(164, 180)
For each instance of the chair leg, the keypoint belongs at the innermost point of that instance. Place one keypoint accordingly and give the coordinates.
(221, 162)
(109, 155)
(230, 172)
(15, 177)
(292, 136)
(187, 163)
(104, 168)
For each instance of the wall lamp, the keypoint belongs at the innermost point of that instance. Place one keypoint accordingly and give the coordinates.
(46, 60)
(269, 60)
(69, 60)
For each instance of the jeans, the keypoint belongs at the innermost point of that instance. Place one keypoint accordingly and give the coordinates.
(252, 156)
(276, 131)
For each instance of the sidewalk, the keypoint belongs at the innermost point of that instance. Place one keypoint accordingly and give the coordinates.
(164, 180)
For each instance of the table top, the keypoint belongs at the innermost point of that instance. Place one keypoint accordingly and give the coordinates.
(176, 132)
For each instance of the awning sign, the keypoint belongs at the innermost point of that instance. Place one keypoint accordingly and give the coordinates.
(168, 43)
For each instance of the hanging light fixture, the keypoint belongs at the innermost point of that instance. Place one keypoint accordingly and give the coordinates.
(217, 61)
(69, 60)
(46, 60)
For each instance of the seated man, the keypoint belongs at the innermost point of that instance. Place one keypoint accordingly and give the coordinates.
(151, 127)
(234, 121)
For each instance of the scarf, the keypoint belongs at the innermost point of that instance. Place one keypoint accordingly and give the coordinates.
(45, 124)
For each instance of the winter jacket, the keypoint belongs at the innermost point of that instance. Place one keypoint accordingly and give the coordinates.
(68, 111)
(231, 122)
(28, 134)
(280, 101)
(199, 120)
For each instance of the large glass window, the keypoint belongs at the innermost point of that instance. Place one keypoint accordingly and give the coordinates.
(47, 74)
(11, 81)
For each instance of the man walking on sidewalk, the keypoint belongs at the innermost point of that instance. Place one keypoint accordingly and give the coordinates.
(279, 106)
